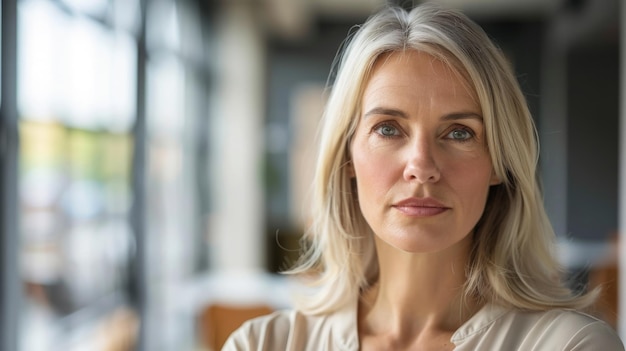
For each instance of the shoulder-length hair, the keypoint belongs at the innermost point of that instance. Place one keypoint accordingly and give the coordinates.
(512, 260)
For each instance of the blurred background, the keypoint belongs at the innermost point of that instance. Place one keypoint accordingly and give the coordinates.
(157, 155)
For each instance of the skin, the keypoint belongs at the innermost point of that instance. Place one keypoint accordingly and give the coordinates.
(423, 173)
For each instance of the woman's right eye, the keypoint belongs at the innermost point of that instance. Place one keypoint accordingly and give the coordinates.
(387, 130)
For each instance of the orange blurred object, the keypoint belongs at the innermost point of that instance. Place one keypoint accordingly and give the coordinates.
(218, 321)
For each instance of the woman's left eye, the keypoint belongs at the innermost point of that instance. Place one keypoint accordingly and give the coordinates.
(460, 135)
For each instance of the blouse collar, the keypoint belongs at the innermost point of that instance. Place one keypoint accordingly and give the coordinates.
(478, 323)
(344, 325)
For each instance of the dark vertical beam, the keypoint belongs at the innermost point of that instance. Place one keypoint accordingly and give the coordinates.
(621, 317)
(139, 275)
(10, 289)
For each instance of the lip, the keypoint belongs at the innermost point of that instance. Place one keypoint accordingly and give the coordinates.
(420, 207)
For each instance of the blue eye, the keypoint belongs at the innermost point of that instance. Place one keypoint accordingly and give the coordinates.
(387, 130)
(460, 135)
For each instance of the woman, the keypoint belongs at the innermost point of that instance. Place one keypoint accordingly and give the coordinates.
(429, 230)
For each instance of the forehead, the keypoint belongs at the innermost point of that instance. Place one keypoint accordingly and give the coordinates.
(419, 74)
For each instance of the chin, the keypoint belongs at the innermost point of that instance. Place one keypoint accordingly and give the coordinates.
(424, 245)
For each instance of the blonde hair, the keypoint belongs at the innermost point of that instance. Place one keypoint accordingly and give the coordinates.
(512, 261)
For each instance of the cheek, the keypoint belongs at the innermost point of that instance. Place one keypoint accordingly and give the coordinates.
(375, 174)
(472, 181)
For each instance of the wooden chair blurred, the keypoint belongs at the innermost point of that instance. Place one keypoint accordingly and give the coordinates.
(607, 305)
(218, 321)
(606, 276)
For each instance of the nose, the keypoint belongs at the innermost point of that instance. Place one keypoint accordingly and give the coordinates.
(421, 165)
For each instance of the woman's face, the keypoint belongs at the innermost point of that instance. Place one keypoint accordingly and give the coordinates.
(419, 156)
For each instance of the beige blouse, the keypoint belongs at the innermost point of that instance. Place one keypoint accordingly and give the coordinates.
(491, 328)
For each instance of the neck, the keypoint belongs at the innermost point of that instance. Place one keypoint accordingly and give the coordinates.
(419, 292)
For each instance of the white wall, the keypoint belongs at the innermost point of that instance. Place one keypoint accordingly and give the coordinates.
(236, 226)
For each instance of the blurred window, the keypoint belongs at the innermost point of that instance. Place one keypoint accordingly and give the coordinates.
(175, 224)
(77, 102)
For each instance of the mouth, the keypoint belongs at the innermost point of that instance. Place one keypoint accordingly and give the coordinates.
(420, 207)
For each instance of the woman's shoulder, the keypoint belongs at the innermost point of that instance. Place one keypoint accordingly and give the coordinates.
(282, 323)
(291, 330)
(556, 329)
(579, 330)
(266, 332)
(583, 331)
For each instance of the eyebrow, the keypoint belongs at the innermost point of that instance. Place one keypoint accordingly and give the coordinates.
(399, 113)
